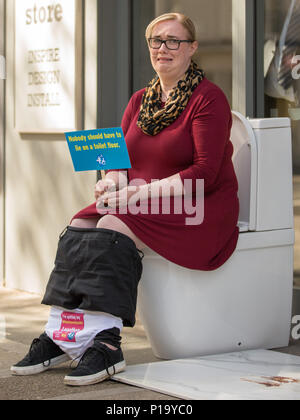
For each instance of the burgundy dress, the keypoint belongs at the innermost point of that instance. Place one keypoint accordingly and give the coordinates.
(197, 146)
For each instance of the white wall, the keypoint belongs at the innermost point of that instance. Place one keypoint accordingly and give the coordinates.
(42, 189)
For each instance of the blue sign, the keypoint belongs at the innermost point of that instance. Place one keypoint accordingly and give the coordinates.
(98, 150)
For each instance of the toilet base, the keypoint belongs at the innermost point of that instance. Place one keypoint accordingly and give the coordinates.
(245, 304)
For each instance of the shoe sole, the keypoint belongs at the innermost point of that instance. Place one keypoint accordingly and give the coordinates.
(96, 378)
(34, 370)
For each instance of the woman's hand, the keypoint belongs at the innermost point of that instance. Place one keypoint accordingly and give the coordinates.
(116, 199)
(104, 186)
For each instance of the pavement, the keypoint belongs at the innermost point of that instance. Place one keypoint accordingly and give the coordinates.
(23, 318)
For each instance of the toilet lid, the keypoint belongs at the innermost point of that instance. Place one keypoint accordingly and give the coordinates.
(245, 164)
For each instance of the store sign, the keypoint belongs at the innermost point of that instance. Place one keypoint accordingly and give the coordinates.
(46, 76)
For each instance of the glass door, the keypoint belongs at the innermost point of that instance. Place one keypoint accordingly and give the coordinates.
(282, 86)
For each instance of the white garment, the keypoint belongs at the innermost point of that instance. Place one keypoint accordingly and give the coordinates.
(74, 331)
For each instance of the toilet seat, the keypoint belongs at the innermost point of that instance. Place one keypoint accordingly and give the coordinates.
(243, 226)
(245, 165)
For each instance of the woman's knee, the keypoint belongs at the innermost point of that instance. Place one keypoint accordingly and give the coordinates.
(107, 222)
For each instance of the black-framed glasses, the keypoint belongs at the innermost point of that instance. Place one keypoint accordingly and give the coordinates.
(171, 44)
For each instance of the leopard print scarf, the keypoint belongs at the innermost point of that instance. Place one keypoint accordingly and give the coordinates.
(153, 118)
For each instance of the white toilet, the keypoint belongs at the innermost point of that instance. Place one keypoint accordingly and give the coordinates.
(245, 304)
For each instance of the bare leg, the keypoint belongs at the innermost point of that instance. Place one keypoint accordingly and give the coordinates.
(85, 223)
(108, 222)
(114, 223)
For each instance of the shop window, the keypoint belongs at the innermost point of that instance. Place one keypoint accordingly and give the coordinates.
(282, 85)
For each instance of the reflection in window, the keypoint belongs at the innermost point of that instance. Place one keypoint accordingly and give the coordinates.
(282, 86)
(282, 66)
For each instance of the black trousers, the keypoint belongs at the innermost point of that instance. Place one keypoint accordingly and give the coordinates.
(96, 270)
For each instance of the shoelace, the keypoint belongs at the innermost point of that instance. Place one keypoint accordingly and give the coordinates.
(38, 342)
(104, 351)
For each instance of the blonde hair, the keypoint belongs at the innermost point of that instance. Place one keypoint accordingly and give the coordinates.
(184, 20)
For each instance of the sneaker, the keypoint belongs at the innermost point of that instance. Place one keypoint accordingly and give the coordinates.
(97, 364)
(43, 355)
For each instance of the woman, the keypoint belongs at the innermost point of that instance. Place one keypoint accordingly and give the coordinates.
(177, 132)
